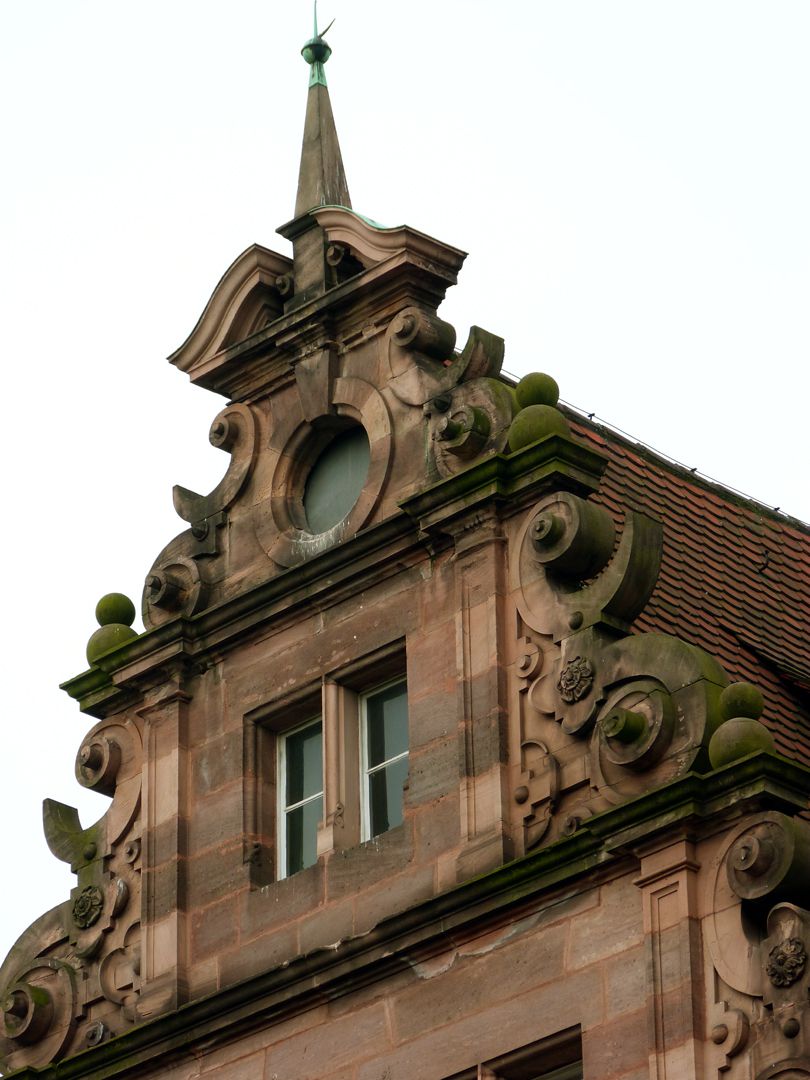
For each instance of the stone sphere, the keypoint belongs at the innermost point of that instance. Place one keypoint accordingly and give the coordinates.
(536, 422)
(737, 738)
(741, 699)
(537, 389)
(108, 637)
(115, 608)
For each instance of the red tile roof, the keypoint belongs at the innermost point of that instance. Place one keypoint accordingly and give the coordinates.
(735, 578)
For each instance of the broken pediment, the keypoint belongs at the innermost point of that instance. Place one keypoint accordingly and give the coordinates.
(248, 296)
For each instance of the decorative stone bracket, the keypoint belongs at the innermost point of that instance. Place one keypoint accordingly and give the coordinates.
(758, 941)
(569, 575)
(74, 976)
(647, 703)
(422, 362)
(234, 431)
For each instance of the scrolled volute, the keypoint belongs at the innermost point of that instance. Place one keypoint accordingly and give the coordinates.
(39, 1014)
(469, 423)
(771, 859)
(97, 764)
(571, 574)
(422, 360)
(234, 431)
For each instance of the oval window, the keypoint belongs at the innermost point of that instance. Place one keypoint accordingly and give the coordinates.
(336, 479)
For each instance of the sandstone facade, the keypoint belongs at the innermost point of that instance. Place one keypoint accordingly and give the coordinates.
(597, 862)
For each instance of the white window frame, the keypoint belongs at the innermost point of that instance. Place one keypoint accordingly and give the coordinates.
(282, 807)
(365, 771)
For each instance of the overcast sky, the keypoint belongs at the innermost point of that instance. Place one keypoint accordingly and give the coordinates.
(630, 178)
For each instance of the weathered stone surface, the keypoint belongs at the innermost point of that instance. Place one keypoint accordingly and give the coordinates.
(558, 873)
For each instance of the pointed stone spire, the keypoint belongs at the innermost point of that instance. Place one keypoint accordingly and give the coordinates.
(321, 178)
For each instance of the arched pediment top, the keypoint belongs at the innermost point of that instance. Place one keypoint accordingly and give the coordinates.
(373, 243)
(249, 285)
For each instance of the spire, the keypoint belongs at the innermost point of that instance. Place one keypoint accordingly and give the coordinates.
(321, 179)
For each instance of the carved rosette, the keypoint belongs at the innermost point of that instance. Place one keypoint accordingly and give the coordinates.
(786, 962)
(576, 680)
(87, 906)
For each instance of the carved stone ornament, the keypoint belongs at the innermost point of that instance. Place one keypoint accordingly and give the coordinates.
(792, 1069)
(87, 906)
(233, 431)
(569, 574)
(74, 968)
(421, 358)
(645, 702)
(786, 962)
(576, 679)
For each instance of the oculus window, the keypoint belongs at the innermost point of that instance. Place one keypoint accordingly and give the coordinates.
(384, 724)
(336, 479)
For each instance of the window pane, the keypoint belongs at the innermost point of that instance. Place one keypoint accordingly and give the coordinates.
(304, 752)
(302, 830)
(336, 479)
(387, 724)
(385, 796)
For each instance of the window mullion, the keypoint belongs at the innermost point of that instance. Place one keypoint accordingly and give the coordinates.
(332, 801)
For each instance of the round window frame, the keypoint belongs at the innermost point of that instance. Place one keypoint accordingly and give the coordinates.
(323, 432)
(354, 402)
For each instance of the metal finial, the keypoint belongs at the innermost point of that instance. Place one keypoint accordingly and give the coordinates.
(316, 51)
(322, 33)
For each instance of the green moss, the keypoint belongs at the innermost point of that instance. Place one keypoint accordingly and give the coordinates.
(108, 637)
(115, 608)
(536, 422)
(737, 738)
(741, 699)
(537, 389)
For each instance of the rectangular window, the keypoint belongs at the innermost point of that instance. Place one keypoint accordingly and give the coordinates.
(325, 765)
(557, 1057)
(384, 743)
(300, 790)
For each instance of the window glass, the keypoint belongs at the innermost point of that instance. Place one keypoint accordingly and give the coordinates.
(336, 479)
(304, 763)
(301, 797)
(302, 834)
(385, 745)
(387, 723)
(385, 795)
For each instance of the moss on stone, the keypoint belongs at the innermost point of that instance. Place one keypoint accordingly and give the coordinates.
(108, 637)
(737, 738)
(536, 388)
(536, 422)
(741, 699)
(115, 607)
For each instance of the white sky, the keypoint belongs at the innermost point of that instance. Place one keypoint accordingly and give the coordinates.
(631, 180)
